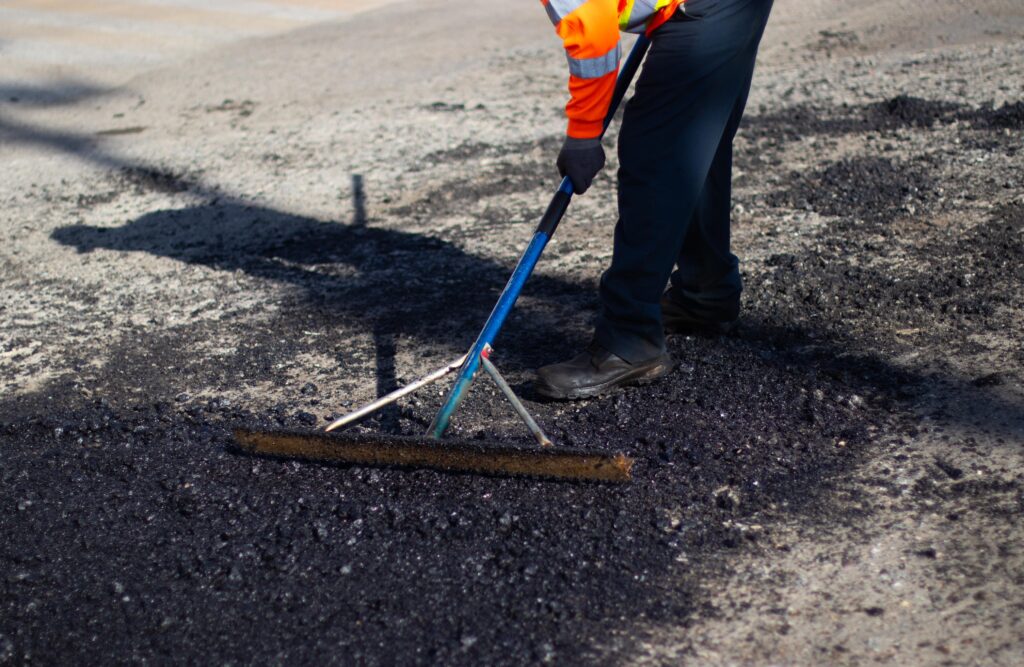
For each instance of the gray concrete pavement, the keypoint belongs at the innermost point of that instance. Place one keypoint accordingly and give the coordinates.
(106, 41)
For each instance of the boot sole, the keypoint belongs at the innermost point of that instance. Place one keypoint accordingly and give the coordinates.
(640, 376)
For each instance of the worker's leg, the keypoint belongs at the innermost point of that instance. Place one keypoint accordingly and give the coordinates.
(696, 73)
(706, 284)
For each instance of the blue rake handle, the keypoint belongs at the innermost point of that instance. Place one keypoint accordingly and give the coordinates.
(545, 230)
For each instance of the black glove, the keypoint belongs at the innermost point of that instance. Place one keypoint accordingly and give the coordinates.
(580, 160)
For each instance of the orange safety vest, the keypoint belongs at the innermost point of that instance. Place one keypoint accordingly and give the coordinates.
(590, 33)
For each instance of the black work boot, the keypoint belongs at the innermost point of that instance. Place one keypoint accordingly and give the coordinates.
(596, 371)
(678, 317)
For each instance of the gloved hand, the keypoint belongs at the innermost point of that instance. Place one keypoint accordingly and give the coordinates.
(580, 160)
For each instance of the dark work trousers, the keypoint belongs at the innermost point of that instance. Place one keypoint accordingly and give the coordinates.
(675, 172)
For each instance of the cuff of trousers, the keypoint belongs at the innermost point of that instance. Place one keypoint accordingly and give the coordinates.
(572, 143)
(632, 348)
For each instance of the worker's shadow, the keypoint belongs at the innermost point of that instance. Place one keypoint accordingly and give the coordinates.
(391, 282)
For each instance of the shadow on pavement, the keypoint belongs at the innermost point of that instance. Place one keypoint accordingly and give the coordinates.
(60, 93)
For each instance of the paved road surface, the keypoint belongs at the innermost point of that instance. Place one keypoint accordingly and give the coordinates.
(107, 41)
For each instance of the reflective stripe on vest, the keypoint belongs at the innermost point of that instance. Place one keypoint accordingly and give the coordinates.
(559, 9)
(591, 68)
(633, 16)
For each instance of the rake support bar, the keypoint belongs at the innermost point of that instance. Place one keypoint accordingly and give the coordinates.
(388, 399)
(517, 405)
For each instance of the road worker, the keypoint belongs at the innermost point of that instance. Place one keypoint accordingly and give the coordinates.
(674, 179)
